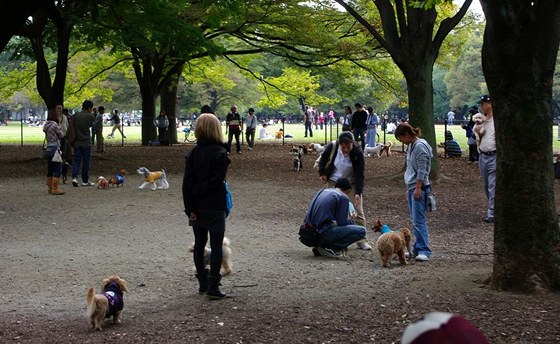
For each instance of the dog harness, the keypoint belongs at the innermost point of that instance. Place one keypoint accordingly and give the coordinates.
(120, 179)
(385, 229)
(114, 295)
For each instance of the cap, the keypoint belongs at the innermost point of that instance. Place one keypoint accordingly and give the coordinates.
(484, 98)
(343, 184)
(442, 328)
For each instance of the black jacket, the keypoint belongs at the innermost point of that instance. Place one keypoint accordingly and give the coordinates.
(203, 182)
(357, 159)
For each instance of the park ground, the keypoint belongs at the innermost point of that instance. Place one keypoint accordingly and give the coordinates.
(53, 248)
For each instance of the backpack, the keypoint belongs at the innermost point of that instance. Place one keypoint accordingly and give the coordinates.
(331, 155)
(71, 131)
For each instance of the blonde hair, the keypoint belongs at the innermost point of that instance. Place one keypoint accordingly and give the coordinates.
(208, 126)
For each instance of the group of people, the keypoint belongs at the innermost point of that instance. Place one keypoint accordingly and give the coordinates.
(330, 211)
(362, 123)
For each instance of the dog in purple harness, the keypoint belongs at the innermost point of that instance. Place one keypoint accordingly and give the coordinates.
(107, 304)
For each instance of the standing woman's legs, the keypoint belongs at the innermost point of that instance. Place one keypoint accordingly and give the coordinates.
(216, 240)
(200, 240)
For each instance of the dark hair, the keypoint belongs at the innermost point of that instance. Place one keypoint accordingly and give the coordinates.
(87, 104)
(206, 109)
(358, 105)
(101, 108)
(251, 110)
(346, 137)
(404, 128)
(343, 184)
(370, 109)
(53, 116)
(448, 135)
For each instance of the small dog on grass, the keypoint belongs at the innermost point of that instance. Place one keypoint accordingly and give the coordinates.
(391, 243)
(297, 163)
(155, 180)
(102, 183)
(226, 256)
(118, 179)
(108, 304)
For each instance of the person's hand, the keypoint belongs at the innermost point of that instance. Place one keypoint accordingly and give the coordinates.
(323, 179)
(357, 199)
(416, 194)
(192, 216)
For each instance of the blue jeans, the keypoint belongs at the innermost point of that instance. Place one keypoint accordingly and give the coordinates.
(418, 217)
(340, 237)
(308, 128)
(81, 154)
(54, 169)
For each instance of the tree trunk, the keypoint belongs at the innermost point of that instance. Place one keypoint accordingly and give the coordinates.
(421, 108)
(518, 58)
(169, 103)
(149, 131)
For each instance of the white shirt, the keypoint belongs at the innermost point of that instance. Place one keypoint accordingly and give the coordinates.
(342, 167)
(263, 134)
(488, 140)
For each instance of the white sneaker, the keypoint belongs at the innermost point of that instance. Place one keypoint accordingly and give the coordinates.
(88, 184)
(327, 252)
(364, 246)
(407, 255)
(422, 258)
(75, 182)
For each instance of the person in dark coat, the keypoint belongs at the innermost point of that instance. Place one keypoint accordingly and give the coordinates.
(204, 197)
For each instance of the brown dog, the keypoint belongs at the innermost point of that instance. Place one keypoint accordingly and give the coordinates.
(118, 179)
(386, 148)
(107, 304)
(102, 183)
(391, 243)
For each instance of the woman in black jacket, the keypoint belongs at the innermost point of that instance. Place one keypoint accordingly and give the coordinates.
(204, 196)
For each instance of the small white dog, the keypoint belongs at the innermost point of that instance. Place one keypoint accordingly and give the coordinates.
(478, 128)
(226, 256)
(373, 151)
(156, 180)
(318, 148)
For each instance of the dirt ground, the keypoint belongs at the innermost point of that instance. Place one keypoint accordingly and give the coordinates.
(53, 248)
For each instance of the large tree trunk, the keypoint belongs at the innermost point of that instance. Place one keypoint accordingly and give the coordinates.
(518, 58)
(149, 131)
(170, 104)
(421, 108)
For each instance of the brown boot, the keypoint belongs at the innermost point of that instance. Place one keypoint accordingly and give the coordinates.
(55, 190)
(49, 184)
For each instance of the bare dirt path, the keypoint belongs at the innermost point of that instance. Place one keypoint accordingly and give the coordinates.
(53, 248)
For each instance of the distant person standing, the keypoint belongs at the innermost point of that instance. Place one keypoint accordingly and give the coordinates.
(487, 156)
(98, 129)
(95, 112)
(53, 136)
(450, 118)
(83, 122)
(250, 128)
(308, 120)
(233, 121)
(471, 139)
(162, 124)
(359, 126)
(116, 125)
(347, 119)
(372, 122)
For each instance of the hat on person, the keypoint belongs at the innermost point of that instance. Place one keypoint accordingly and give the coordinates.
(343, 184)
(473, 110)
(484, 98)
(347, 135)
(442, 328)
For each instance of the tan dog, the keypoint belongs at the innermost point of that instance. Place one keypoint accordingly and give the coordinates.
(226, 256)
(391, 243)
(386, 148)
(118, 179)
(107, 304)
(102, 183)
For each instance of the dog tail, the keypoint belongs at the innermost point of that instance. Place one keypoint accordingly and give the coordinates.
(225, 242)
(389, 144)
(90, 301)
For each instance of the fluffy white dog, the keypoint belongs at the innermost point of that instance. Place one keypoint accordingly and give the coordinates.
(478, 128)
(373, 151)
(318, 148)
(155, 180)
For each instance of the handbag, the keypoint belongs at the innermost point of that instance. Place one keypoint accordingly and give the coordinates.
(49, 150)
(57, 157)
(229, 199)
(431, 204)
(308, 233)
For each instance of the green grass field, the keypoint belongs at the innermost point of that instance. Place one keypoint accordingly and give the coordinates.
(15, 134)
